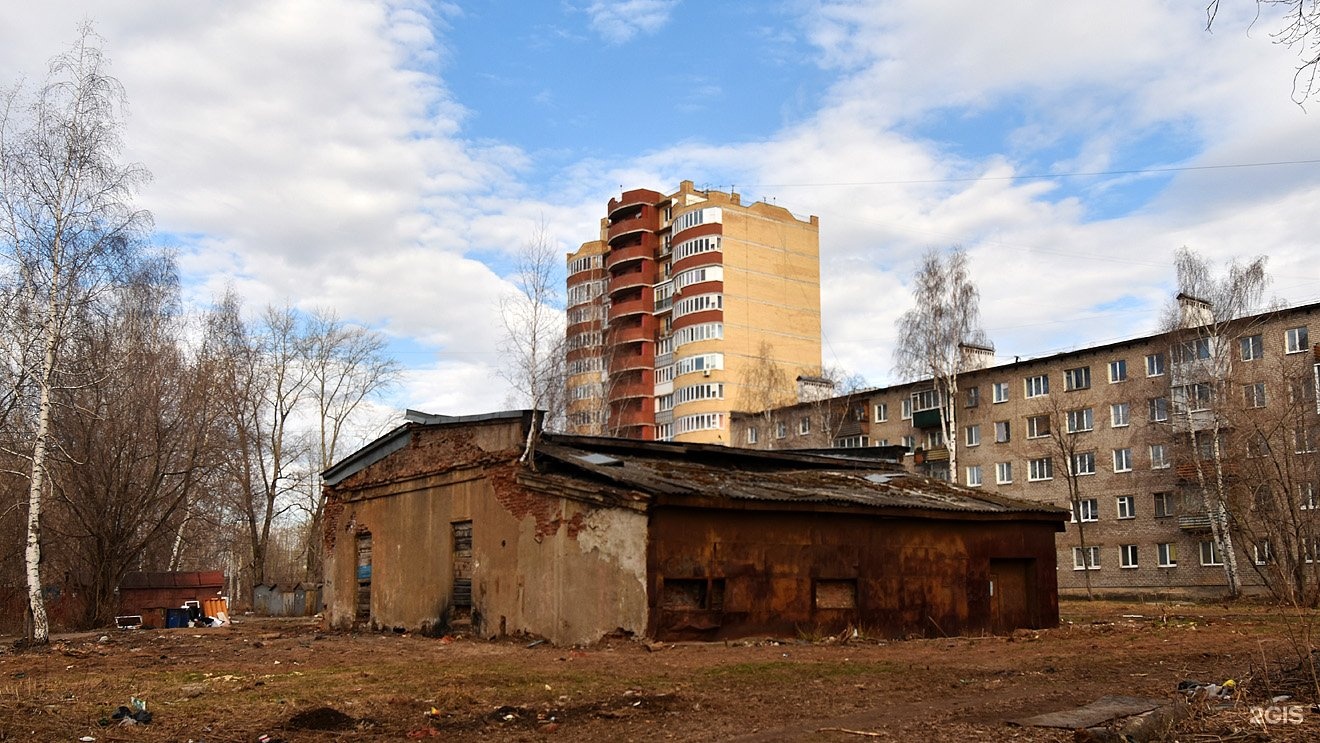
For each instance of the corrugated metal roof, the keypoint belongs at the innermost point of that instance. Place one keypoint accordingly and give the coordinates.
(779, 477)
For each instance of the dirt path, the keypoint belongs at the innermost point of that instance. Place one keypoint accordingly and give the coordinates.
(287, 680)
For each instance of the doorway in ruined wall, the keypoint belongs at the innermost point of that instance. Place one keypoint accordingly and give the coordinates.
(1013, 594)
(362, 615)
(460, 598)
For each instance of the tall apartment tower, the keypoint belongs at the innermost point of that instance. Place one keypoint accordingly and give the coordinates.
(689, 306)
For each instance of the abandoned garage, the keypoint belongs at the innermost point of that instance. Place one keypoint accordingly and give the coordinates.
(438, 526)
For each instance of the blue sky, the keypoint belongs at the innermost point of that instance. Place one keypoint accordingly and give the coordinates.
(385, 157)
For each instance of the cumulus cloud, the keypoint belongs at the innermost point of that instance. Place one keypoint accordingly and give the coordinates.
(618, 21)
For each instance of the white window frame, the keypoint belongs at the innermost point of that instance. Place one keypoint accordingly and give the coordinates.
(1077, 378)
(905, 411)
(1166, 554)
(1126, 506)
(1253, 395)
(1080, 458)
(1081, 420)
(1089, 510)
(1210, 557)
(1120, 415)
(1127, 556)
(1003, 473)
(1033, 426)
(974, 475)
(1036, 386)
(881, 412)
(1157, 409)
(1089, 559)
(999, 392)
(1003, 432)
(1123, 460)
(1155, 365)
(1040, 469)
(752, 434)
(804, 425)
(1118, 371)
(1160, 462)
(1296, 340)
(1251, 347)
(973, 435)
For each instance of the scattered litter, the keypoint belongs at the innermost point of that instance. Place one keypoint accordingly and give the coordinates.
(134, 714)
(1218, 691)
(534, 643)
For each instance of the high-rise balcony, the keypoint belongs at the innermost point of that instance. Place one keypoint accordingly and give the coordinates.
(629, 199)
(644, 250)
(642, 304)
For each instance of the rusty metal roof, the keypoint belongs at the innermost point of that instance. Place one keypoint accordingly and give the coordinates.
(679, 472)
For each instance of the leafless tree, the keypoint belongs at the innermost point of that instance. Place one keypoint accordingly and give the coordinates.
(1298, 28)
(347, 365)
(933, 335)
(68, 229)
(1204, 322)
(136, 442)
(1062, 444)
(764, 389)
(533, 344)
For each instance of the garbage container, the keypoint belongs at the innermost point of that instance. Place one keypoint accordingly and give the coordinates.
(175, 618)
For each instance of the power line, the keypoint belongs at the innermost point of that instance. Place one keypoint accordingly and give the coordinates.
(1025, 176)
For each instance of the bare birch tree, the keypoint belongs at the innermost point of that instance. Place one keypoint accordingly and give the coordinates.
(1204, 322)
(932, 336)
(347, 365)
(68, 228)
(533, 344)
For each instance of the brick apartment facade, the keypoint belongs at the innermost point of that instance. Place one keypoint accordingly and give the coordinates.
(679, 297)
(1124, 407)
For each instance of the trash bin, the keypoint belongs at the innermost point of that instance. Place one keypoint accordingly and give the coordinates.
(175, 618)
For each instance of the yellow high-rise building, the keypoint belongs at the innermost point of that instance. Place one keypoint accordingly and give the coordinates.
(690, 306)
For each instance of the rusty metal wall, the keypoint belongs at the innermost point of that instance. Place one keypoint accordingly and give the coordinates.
(741, 573)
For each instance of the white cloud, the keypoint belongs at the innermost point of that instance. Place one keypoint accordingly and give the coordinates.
(618, 21)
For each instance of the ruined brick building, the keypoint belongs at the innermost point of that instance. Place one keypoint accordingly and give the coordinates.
(437, 525)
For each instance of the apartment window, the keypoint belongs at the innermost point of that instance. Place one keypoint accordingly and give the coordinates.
(1167, 554)
(781, 430)
(926, 400)
(1122, 460)
(1254, 394)
(910, 442)
(906, 409)
(1252, 347)
(974, 474)
(934, 439)
(1077, 379)
(1127, 555)
(804, 425)
(1083, 463)
(1037, 386)
(1262, 553)
(1118, 371)
(1155, 365)
(1192, 350)
(1086, 509)
(1038, 426)
(1080, 420)
(1295, 340)
(851, 442)
(751, 435)
(1308, 500)
(1192, 397)
(1126, 506)
(858, 413)
(1158, 409)
(973, 435)
(1040, 469)
(1159, 456)
(999, 392)
(1164, 505)
(1002, 433)
(1120, 414)
(1004, 473)
(973, 396)
(1300, 390)
(1086, 559)
(1210, 553)
(1303, 439)
(881, 412)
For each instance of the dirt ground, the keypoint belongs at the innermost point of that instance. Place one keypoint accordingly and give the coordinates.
(288, 680)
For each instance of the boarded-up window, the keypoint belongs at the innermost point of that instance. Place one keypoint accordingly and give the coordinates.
(694, 594)
(836, 594)
(462, 533)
